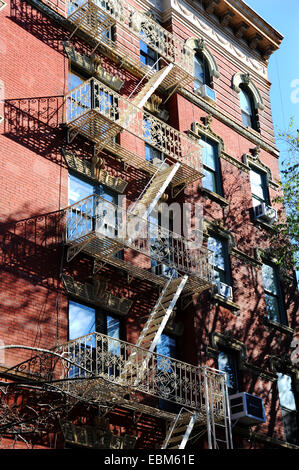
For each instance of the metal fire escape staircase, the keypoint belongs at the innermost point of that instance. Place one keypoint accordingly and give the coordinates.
(95, 18)
(153, 329)
(154, 190)
(180, 429)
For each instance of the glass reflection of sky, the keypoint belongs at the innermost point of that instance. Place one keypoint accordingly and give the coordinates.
(286, 395)
(81, 320)
(78, 189)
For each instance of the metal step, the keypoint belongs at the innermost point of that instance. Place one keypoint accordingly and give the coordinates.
(153, 328)
(179, 431)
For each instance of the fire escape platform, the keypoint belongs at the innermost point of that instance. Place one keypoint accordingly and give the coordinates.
(94, 126)
(94, 19)
(185, 174)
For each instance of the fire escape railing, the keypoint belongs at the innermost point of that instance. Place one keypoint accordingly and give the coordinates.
(99, 113)
(95, 18)
(96, 216)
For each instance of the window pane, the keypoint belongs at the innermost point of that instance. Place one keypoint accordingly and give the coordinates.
(198, 72)
(269, 279)
(78, 189)
(272, 306)
(226, 363)
(217, 246)
(151, 153)
(166, 346)
(147, 55)
(209, 180)
(258, 185)
(113, 330)
(113, 327)
(74, 80)
(245, 103)
(208, 152)
(286, 395)
(81, 320)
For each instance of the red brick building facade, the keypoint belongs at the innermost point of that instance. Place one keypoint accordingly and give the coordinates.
(84, 118)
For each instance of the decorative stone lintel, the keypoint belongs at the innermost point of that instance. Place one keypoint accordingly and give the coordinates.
(228, 304)
(244, 257)
(226, 340)
(96, 295)
(240, 165)
(215, 197)
(273, 325)
(92, 66)
(285, 366)
(84, 167)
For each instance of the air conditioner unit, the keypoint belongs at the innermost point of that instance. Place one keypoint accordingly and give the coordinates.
(265, 213)
(224, 290)
(207, 93)
(247, 409)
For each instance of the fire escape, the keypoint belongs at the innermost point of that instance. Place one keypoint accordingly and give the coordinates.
(101, 229)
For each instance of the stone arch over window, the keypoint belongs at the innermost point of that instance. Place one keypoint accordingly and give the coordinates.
(244, 81)
(199, 46)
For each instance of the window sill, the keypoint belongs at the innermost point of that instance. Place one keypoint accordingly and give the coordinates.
(229, 304)
(272, 324)
(263, 225)
(215, 197)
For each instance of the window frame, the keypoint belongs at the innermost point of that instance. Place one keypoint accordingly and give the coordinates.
(265, 185)
(282, 316)
(253, 112)
(100, 315)
(234, 355)
(149, 54)
(226, 259)
(286, 411)
(199, 57)
(216, 172)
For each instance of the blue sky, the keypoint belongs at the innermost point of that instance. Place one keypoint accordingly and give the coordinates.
(283, 69)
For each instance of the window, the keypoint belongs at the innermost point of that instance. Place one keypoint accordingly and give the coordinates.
(83, 320)
(166, 346)
(74, 80)
(259, 187)
(211, 166)
(201, 72)
(148, 56)
(288, 407)
(247, 108)
(151, 153)
(106, 214)
(227, 362)
(273, 297)
(221, 261)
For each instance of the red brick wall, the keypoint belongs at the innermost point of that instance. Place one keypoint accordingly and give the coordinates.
(34, 181)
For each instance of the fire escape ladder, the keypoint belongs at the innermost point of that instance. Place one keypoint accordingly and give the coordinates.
(136, 366)
(218, 414)
(180, 429)
(150, 87)
(154, 190)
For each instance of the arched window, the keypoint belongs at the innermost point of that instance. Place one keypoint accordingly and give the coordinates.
(247, 108)
(201, 71)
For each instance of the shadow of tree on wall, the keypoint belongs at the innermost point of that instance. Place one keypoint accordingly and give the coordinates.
(250, 325)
